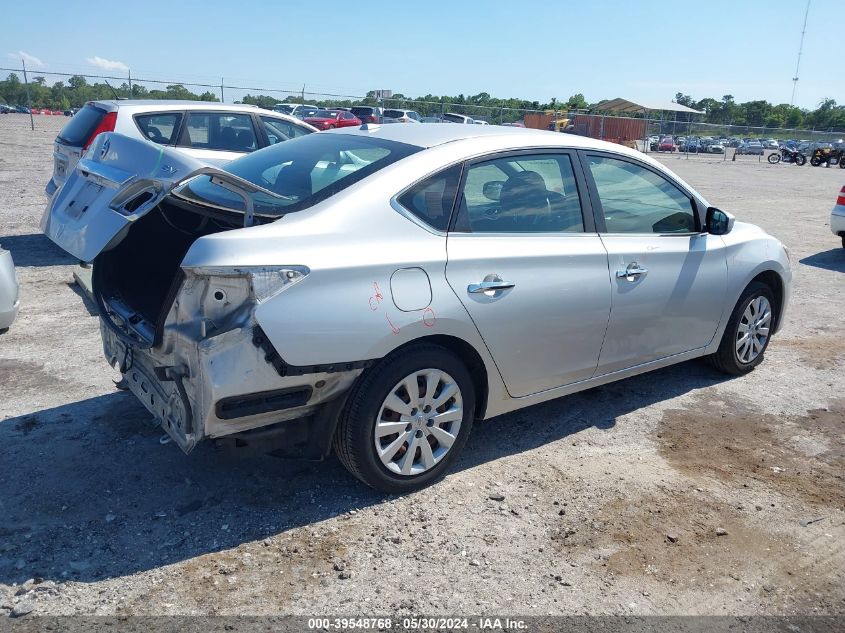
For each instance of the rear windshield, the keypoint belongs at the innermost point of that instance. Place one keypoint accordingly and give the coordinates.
(394, 114)
(361, 110)
(302, 171)
(81, 126)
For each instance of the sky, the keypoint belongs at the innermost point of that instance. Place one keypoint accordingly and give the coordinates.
(649, 49)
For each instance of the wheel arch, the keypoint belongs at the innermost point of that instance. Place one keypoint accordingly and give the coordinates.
(775, 282)
(467, 355)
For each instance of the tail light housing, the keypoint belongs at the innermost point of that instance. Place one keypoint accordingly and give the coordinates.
(840, 201)
(106, 125)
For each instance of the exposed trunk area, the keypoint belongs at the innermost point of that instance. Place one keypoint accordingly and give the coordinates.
(139, 277)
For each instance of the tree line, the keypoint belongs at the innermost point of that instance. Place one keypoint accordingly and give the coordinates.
(77, 91)
(761, 113)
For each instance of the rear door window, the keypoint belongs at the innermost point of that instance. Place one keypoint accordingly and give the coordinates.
(223, 131)
(523, 193)
(81, 126)
(160, 128)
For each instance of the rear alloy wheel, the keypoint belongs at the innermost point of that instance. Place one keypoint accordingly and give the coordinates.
(748, 332)
(407, 419)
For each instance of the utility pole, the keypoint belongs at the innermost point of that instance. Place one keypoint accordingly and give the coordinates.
(222, 100)
(303, 93)
(130, 83)
(800, 50)
(28, 100)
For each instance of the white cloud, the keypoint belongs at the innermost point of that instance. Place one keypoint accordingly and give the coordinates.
(107, 64)
(32, 60)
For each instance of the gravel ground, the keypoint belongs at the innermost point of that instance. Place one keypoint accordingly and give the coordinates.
(676, 492)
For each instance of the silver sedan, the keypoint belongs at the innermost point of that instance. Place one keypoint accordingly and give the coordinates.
(380, 289)
(9, 301)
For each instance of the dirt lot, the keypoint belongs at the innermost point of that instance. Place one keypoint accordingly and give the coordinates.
(612, 501)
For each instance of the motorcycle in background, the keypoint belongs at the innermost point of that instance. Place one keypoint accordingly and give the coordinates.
(828, 156)
(787, 155)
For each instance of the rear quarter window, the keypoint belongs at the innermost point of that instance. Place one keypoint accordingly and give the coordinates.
(159, 128)
(81, 126)
(432, 199)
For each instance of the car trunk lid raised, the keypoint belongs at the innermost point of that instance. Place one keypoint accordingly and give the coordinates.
(120, 180)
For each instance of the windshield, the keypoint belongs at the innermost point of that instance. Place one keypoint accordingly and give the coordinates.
(323, 114)
(284, 108)
(302, 171)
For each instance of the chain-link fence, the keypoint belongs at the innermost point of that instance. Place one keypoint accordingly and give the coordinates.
(41, 100)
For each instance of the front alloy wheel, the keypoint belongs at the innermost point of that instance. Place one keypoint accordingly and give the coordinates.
(752, 334)
(748, 331)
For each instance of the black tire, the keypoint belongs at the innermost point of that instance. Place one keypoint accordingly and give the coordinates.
(725, 359)
(800, 160)
(842, 163)
(774, 159)
(843, 241)
(354, 437)
(815, 162)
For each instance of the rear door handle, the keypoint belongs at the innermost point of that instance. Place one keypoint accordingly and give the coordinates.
(490, 286)
(632, 272)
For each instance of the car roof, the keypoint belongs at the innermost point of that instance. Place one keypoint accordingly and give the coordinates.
(175, 104)
(427, 136)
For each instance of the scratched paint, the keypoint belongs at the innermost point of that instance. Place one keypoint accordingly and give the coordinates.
(428, 318)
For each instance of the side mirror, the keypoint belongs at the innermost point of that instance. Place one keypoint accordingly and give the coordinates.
(493, 189)
(719, 222)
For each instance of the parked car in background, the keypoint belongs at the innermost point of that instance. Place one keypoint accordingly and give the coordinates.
(457, 118)
(367, 114)
(305, 288)
(391, 115)
(480, 122)
(210, 131)
(293, 109)
(667, 144)
(304, 113)
(837, 217)
(770, 143)
(9, 290)
(6, 109)
(690, 145)
(754, 147)
(508, 124)
(716, 148)
(433, 119)
(331, 119)
(22, 109)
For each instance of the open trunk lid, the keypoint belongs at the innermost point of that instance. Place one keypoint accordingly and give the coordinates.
(118, 181)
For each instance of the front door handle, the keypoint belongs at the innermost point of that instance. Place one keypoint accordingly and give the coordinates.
(490, 287)
(632, 272)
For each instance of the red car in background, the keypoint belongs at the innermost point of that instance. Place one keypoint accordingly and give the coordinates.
(667, 144)
(330, 119)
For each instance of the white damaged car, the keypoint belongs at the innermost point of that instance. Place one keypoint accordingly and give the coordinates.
(379, 289)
